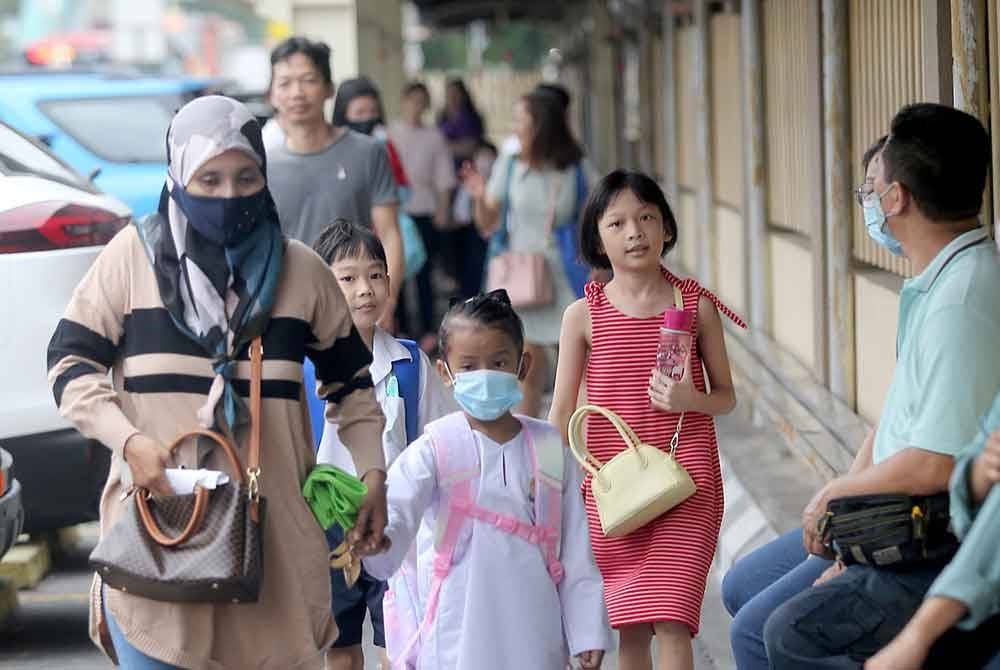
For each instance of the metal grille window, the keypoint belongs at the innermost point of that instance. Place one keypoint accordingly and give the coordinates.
(887, 56)
(793, 114)
(727, 110)
(687, 110)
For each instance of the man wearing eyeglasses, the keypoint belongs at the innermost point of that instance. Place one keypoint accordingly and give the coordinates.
(923, 191)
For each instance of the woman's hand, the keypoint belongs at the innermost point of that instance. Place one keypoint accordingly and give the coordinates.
(591, 659)
(148, 460)
(986, 468)
(669, 395)
(907, 652)
(473, 182)
(367, 535)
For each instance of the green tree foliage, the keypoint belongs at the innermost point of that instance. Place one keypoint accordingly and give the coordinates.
(445, 50)
(520, 45)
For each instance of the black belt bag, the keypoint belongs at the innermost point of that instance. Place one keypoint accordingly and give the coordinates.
(896, 530)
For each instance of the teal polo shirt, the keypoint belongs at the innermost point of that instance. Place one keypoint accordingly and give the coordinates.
(948, 351)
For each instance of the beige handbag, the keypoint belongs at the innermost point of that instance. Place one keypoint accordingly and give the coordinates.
(637, 485)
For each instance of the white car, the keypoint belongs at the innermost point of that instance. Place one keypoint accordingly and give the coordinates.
(53, 223)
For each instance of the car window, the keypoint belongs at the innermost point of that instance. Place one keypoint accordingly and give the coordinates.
(19, 155)
(120, 130)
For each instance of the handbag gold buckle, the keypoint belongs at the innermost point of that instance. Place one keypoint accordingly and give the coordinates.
(253, 485)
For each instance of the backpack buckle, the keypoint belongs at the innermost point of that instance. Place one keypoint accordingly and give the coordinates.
(507, 524)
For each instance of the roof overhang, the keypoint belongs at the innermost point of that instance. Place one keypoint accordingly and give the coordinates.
(454, 13)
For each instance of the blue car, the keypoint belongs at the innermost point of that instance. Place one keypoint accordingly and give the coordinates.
(108, 125)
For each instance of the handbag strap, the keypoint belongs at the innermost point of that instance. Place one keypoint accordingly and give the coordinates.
(200, 499)
(676, 439)
(550, 212)
(579, 447)
(256, 418)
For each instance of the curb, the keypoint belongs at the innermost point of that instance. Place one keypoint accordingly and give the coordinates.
(26, 564)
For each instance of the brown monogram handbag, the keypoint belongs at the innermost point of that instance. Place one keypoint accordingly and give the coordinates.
(201, 547)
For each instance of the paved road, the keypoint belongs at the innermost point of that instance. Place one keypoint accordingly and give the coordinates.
(49, 631)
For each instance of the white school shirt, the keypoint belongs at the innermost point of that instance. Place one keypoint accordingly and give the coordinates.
(498, 608)
(435, 401)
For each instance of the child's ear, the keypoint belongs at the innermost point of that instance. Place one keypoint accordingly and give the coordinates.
(527, 360)
(442, 370)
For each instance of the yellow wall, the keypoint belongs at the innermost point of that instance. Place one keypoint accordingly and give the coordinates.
(686, 252)
(730, 241)
(792, 296)
(876, 311)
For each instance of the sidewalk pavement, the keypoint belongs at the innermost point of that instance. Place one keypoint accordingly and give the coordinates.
(766, 487)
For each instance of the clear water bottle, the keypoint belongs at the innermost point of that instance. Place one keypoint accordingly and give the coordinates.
(675, 343)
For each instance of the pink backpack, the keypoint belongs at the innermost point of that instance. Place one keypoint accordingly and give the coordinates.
(458, 480)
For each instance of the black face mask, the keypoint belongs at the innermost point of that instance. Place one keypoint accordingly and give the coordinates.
(364, 127)
(225, 221)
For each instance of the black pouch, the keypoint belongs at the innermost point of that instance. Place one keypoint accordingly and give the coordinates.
(889, 530)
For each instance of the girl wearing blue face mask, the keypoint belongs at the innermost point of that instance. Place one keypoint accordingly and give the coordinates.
(505, 571)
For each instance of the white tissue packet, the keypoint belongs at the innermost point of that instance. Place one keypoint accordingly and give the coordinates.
(183, 480)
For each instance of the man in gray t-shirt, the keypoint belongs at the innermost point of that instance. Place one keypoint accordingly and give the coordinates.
(344, 180)
(318, 172)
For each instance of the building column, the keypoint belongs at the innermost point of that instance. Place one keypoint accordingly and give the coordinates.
(706, 191)
(669, 107)
(838, 211)
(970, 74)
(755, 169)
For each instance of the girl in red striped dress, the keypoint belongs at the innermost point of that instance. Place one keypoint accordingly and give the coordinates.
(654, 578)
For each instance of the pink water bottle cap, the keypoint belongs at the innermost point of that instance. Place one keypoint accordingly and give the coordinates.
(677, 319)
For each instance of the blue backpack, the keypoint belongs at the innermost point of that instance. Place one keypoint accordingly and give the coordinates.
(407, 375)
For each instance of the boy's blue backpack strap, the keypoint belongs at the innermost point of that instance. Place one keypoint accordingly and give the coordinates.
(317, 406)
(408, 377)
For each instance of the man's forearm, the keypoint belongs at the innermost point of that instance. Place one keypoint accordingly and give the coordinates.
(912, 470)
(863, 459)
(936, 616)
(386, 223)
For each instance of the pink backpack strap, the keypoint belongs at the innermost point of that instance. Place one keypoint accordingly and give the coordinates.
(457, 477)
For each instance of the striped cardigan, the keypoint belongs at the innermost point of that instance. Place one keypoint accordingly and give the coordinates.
(159, 378)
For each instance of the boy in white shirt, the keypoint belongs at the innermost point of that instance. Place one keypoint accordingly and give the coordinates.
(403, 378)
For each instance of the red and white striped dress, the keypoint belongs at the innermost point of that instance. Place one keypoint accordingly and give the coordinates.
(658, 572)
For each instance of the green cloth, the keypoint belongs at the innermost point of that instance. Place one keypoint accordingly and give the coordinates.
(334, 496)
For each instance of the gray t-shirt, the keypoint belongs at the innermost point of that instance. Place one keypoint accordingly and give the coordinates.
(346, 180)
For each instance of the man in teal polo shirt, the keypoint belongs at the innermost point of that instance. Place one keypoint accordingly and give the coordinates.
(922, 196)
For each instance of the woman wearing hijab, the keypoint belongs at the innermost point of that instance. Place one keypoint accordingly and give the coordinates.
(169, 307)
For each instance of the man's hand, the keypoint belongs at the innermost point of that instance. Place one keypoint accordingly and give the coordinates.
(367, 535)
(591, 659)
(834, 570)
(147, 459)
(986, 468)
(811, 515)
(387, 321)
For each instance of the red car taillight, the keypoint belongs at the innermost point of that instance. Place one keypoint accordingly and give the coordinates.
(50, 225)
